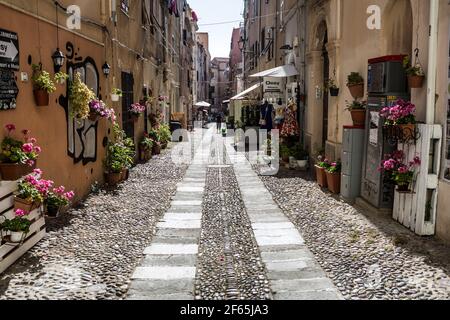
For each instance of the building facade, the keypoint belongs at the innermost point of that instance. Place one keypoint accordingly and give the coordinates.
(220, 83)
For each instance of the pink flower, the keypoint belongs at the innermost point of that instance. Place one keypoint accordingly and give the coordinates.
(38, 172)
(38, 149)
(26, 132)
(30, 162)
(403, 170)
(27, 147)
(20, 213)
(10, 128)
(32, 140)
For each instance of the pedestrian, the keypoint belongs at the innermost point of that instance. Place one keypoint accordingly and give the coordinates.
(219, 123)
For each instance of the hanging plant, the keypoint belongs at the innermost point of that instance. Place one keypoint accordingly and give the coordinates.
(43, 85)
(61, 77)
(80, 97)
(415, 73)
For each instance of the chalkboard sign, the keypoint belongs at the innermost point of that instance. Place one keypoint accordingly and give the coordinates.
(8, 90)
(9, 50)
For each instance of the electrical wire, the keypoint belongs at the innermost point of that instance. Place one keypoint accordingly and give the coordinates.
(251, 18)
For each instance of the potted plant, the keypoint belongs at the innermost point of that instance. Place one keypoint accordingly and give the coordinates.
(333, 173)
(98, 109)
(57, 200)
(224, 132)
(61, 77)
(154, 134)
(32, 190)
(145, 148)
(116, 94)
(129, 160)
(331, 87)
(300, 155)
(119, 157)
(285, 153)
(321, 167)
(17, 158)
(402, 114)
(80, 97)
(42, 85)
(358, 112)
(355, 83)
(18, 227)
(165, 136)
(401, 174)
(415, 73)
(136, 110)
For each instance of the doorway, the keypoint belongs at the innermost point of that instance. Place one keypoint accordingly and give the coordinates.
(326, 76)
(127, 101)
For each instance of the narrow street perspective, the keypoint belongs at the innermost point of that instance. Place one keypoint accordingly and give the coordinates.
(197, 152)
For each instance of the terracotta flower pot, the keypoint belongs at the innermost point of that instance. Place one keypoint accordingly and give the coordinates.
(125, 174)
(357, 90)
(334, 182)
(358, 116)
(134, 117)
(41, 98)
(156, 149)
(321, 177)
(415, 81)
(25, 205)
(15, 171)
(113, 178)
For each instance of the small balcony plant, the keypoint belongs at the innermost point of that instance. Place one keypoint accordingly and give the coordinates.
(61, 77)
(400, 120)
(145, 147)
(136, 110)
(358, 112)
(18, 227)
(43, 85)
(355, 83)
(415, 73)
(155, 136)
(57, 200)
(165, 135)
(80, 96)
(17, 157)
(116, 94)
(330, 86)
(399, 172)
(98, 110)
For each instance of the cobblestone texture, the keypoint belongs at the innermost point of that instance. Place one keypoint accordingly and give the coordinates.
(367, 256)
(91, 252)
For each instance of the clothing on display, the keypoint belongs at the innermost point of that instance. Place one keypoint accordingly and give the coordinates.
(266, 111)
(290, 126)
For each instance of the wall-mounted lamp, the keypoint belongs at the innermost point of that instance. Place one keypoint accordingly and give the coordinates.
(106, 69)
(58, 59)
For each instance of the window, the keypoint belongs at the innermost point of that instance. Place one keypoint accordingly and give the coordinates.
(263, 40)
(125, 6)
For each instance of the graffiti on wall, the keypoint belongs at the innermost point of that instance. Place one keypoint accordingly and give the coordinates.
(81, 134)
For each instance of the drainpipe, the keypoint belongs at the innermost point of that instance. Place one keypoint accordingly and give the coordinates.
(432, 61)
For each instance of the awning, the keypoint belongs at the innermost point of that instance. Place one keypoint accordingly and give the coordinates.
(285, 71)
(226, 101)
(243, 93)
(202, 104)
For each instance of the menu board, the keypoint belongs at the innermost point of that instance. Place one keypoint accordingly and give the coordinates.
(8, 90)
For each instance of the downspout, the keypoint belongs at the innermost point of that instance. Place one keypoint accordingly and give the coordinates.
(432, 61)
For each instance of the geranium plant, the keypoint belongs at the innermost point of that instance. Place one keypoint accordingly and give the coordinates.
(120, 152)
(57, 199)
(100, 109)
(397, 171)
(16, 151)
(80, 97)
(33, 188)
(323, 162)
(402, 113)
(334, 167)
(137, 109)
(19, 226)
(146, 143)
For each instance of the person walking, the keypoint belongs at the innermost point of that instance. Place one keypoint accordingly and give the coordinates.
(219, 123)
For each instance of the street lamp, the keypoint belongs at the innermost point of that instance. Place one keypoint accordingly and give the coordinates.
(106, 69)
(241, 43)
(58, 59)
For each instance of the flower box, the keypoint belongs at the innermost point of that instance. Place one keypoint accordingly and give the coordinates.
(25, 205)
(334, 182)
(15, 171)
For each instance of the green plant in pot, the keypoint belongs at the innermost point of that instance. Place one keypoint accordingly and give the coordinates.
(300, 155)
(330, 86)
(116, 94)
(285, 153)
(18, 227)
(57, 200)
(146, 146)
(80, 96)
(43, 85)
(358, 112)
(333, 173)
(321, 166)
(154, 134)
(355, 83)
(165, 135)
(61, 77)
(415, 73)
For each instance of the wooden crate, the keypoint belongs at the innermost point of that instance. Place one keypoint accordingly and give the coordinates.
(10, 252)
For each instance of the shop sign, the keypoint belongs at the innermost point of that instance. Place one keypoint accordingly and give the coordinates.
(273, 85)
(9, 50)
(8, 90)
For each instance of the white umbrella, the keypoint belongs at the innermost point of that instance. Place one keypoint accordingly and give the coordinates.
(202, 104)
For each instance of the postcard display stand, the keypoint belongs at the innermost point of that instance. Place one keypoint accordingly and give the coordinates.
(10, 252)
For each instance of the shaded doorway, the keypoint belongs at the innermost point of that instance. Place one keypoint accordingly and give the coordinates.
(127, 101)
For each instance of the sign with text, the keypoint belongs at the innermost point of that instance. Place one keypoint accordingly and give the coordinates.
(9, 50)
(8, 90)
(273, 85)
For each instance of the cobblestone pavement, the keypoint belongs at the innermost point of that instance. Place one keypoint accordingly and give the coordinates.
(244, 247)
(367, 255)
(91, 252)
